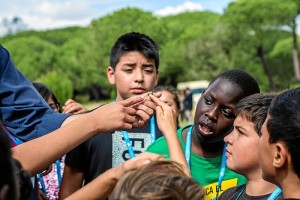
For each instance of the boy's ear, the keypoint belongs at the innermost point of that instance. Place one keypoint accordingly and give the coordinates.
(110, 72)
(156, 81)
(280, 156)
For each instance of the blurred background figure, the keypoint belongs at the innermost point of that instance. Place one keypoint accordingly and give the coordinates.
(188, 105)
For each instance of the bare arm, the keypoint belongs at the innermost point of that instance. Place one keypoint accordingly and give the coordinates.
(71, 182)
(46, 149)
(109, 179)
(166, 121)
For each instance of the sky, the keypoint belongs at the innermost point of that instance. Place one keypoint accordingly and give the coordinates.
(52, 14)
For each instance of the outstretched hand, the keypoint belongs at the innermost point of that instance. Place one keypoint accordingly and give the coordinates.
(119, 115)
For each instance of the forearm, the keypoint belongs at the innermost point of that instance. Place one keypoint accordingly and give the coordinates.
(105, 181)
(175, 151)
(37, 154)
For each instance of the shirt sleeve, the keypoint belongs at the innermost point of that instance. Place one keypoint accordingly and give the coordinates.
(159, 147)
(24, 112)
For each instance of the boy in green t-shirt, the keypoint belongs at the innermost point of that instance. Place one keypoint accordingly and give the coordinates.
(203, 143)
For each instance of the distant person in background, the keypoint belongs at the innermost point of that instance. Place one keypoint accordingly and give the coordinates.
(181, 101)
(188, 105)
(169, 95)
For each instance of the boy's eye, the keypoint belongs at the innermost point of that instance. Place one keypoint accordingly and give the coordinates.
(127, 70)
(208, 101)
(227, 113)
(240, 132)
(150, 71)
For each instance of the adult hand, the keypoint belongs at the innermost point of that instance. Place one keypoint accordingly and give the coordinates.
(119, 115)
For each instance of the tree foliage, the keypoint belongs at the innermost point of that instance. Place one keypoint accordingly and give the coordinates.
(255, 36)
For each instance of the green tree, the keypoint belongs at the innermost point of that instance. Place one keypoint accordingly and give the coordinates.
(180, 55)
(254, 21)
(59, 84)
(293, 25)
(31, 55)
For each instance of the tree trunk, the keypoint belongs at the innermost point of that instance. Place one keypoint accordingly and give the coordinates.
(266, 67)
(295, 52)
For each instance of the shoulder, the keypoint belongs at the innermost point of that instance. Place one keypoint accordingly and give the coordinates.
(232, 193)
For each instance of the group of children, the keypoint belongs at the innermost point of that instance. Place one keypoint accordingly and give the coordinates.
(242, 144)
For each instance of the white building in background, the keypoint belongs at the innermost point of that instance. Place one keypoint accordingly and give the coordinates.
(197, 87)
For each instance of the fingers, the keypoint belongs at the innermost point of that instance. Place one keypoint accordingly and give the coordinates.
(132, 101)
(163, 106)
(73, 107)
(141, 160)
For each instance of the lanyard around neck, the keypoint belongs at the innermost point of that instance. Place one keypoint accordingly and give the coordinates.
(188, 146)
(272, 196)
(188, 156)
(128, 142)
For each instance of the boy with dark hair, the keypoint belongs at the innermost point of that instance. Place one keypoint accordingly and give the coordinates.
(134, 71)
(203, 142)
(242, 152)
(279, 152)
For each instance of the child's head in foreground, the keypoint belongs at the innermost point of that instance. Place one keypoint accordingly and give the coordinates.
(158, 180)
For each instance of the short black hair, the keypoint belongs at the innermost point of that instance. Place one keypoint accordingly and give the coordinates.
(134, 41)
(246, 82)
(284, 123)
(254, 108)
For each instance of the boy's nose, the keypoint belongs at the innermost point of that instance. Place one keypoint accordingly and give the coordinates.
(212, 114)
(139, 76)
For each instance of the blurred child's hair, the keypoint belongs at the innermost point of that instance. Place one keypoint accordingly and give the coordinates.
(158, 180)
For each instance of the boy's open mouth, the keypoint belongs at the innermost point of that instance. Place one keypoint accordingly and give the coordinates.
(206, 129)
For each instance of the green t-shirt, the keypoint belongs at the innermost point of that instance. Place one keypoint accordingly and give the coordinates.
(204, 170)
